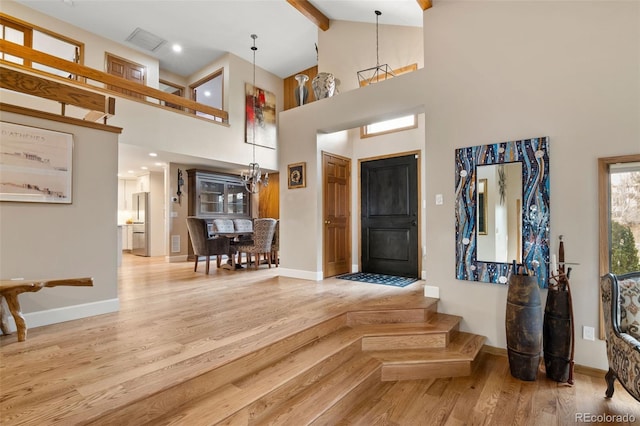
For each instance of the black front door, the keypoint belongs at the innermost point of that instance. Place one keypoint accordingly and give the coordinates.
(389, 206)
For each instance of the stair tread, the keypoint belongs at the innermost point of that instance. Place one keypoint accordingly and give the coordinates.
(311, 403)
(464, 348)
(240, 393)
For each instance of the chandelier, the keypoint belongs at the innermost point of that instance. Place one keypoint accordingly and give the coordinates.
(379, 72)
(252, 177)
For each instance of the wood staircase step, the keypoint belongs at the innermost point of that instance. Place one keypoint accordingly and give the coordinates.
(436, 333)
(330, 398)
(254, 394)
(397, 315)
(413, 364)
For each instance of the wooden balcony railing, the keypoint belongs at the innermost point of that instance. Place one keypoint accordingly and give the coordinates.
(11, 81)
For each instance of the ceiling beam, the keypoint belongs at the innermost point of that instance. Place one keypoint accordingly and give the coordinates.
(313, 14)
(425, 4)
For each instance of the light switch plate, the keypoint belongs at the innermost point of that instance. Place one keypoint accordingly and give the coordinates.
(439, 200)
(588, 333)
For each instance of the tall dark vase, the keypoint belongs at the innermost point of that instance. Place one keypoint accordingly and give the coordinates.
(557, 335)
(523, 322)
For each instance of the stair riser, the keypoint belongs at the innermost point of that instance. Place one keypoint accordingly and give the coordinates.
(339, 410)
(389, 317)
(431, 370)
(146, 410)
(425, 341)
(281, 394)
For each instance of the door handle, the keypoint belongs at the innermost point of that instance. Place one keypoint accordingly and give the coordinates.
(414, 223)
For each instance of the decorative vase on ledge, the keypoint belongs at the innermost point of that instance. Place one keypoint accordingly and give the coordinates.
(301, 92)
(324, 85)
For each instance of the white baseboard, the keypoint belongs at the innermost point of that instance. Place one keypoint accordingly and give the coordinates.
(68, 313)
(355, 268)
(176, 259)
(304, 275)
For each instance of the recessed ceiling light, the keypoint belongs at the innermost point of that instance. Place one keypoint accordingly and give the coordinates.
(177, 48)
(153, 154)
(130, 171)
(144, 168)
(207, 93)
(159, 164)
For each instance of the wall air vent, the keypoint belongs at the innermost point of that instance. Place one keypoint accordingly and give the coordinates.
(145, 40)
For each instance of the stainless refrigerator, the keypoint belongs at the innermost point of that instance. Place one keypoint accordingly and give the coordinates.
(140, 215)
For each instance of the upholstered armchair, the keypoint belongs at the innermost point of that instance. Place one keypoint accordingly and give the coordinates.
(203, 245)
(621, 307)
(263, 230)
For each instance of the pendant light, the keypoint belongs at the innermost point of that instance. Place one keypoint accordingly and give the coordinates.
(252, 177)
(379, 72)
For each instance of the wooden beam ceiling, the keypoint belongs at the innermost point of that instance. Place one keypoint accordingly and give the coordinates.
(313, 14)
(425, 4)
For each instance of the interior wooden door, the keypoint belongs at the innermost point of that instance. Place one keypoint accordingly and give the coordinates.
(336, 173)
(127, 70)
(389, 221)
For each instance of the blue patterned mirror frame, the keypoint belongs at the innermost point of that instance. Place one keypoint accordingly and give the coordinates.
(534, 156)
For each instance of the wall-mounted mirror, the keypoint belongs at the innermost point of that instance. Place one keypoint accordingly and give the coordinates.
(499, 212)
(502, 210)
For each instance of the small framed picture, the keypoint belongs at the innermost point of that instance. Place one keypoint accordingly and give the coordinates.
(297, 175)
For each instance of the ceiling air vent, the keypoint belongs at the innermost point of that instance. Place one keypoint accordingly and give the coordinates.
(145, 39)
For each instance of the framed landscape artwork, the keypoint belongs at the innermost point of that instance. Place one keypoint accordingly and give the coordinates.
(35, 164)
(260, 123)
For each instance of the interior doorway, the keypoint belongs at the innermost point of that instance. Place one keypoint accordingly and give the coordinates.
(336, 172)
(389, 215)
(128, 70)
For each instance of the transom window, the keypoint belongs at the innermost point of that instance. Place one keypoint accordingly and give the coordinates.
(389, 126)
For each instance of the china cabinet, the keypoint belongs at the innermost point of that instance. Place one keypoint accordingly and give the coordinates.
(214, 195)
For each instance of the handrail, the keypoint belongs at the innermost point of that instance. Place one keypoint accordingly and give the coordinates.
(103, 77)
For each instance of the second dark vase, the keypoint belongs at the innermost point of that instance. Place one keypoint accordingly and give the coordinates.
(557, 335)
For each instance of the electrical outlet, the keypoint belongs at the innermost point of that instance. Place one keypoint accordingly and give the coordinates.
(588, 333)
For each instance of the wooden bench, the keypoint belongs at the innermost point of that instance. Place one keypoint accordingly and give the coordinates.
(10, 289)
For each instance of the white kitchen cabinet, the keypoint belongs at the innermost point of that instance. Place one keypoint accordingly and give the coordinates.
(127, 237)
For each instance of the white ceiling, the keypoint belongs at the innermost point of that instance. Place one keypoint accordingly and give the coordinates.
(207, 29)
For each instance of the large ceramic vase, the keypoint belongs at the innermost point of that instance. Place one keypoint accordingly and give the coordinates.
(301, 92)
(556, 332)
(324, 85)
(523, 321)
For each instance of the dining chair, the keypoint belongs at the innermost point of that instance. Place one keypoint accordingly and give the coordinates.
(263, 230)
(275, 245)
(223, 225)
(203, 245)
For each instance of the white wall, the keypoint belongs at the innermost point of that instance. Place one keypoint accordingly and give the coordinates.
(55, 241)
(497, 71)
(348, 47)
(574, 76)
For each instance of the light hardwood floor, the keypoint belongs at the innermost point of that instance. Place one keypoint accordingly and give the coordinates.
(175, 324)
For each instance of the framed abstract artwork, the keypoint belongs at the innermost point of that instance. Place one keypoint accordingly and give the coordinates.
(260, 123)
(35, 164)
